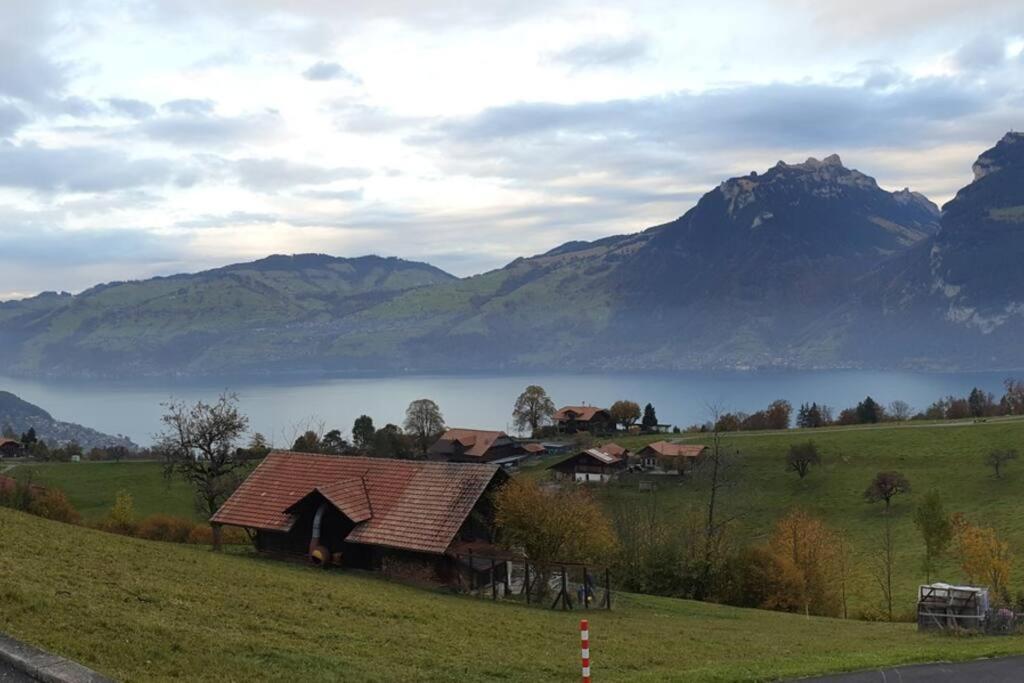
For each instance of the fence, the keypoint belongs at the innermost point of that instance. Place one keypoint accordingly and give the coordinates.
(562, 585)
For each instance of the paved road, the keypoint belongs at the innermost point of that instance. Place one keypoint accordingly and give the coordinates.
(11, 675)
(1000, 670)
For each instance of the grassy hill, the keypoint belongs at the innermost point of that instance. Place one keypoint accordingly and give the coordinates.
(944, 456)
(139, 610)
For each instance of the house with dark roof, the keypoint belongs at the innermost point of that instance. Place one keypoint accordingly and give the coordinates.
(399, 516)
(591, 465)
(476, 445)
(572, 419)
(669, 458)
(10, 448)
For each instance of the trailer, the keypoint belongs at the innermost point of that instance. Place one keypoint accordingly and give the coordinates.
(944, 607)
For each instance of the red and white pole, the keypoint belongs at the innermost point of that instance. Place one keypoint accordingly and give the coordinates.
(585, 649)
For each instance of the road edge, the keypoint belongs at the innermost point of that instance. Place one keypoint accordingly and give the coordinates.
(45, 666)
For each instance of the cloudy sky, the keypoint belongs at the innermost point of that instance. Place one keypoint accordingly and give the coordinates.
(150, 137)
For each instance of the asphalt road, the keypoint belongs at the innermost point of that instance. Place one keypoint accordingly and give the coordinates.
(11, 675)
(1000, 670)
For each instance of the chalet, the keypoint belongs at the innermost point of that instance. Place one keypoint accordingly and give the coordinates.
(669, 457)
(10, 448)
(475, 445)
(592, 465)
(614, 449)
(572, 419)
(398, 516)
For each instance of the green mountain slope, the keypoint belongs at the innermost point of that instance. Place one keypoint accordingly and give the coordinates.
(243, 316)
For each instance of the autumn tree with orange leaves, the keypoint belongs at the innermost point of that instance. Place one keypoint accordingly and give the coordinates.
(984, 557)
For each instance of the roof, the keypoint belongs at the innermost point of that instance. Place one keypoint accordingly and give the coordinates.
(614, 449)
(534, 448)
(413, 505)
(4, 441)
(582, 413)
(593, 453)
(676, 450)
(476, 442)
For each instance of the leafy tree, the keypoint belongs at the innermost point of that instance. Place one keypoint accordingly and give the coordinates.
(625, 413)
(258, 446)
(900, 411)
(533, 408)
(868, 411)
(390, 442)
(813, 549)
(801, 457)
(198, 444)
(568, 526)
(980, 403)
(362, 432)
(423, 423)
(307, 442)
(935, 527)
(778, 414)
(886, 486)
(984, 557)
(650, 418)
(998, 459)
(1012, 402)
(333, 443)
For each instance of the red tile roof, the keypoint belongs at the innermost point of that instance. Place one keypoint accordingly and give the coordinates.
(581, 413)
(534, 448)
(476, 441)
(614, 449)
(673, 450)
(414, 505)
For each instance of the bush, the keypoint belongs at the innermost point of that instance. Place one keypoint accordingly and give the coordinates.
(165, 528)
(54, 504)
(202, 534)
(121, 518)
(758, 577)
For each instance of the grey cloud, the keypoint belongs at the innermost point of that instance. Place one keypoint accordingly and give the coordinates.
(212, 130)
(77, 169)
(603, 53)
(34, 238)
(136, 109)
(28, 73)
(274, 174)
(190, 106)
(335, 195)
(75, 106)
(11, 119)
(354, 116)
(981, 53)
(228, 219)
(329, 71)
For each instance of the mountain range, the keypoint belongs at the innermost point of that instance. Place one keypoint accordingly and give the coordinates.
(18, 416)
(808, 265)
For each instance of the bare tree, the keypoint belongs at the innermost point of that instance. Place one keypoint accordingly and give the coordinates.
(424, 423)
(882, 565)
(886, 486)
(900, 411)
(998, 459)
(801, 457)
(199, 445)
(532, 409)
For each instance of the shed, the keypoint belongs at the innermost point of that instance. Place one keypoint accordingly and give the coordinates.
(941, 606)
(668, 457)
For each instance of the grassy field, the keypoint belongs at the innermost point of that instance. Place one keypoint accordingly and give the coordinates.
(93, 486)
(140, 610)
(947, 457)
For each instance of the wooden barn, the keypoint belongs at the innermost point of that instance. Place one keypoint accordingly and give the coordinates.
(573, 419)
(400, 516)
(475, 445)
(592, 465)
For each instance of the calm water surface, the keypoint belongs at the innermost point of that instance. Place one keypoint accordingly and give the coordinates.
(279, 409)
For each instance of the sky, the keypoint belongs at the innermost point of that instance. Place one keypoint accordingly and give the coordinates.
(142, 138)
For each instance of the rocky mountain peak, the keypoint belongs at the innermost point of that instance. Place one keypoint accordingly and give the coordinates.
(1009, 150)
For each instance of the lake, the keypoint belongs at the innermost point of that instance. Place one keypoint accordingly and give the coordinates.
(281, 409)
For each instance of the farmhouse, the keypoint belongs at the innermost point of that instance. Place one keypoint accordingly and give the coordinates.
(592, 465)
(399, 516)
(572, 419)
(10, 448)
(669, 457)
(475, 445)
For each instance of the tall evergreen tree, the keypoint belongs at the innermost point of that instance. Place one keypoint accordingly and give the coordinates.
(650, 418)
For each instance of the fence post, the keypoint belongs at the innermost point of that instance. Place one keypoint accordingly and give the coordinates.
(565, 592)
(494, 586)
(472, 573)
(608, 588)
(586, 588)
(585, 649)
(526, 582)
